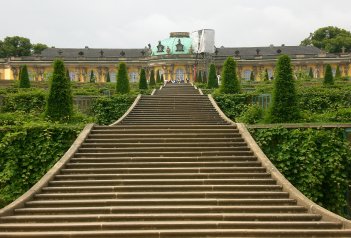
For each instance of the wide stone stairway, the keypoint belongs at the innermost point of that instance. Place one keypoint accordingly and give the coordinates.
(172, 168)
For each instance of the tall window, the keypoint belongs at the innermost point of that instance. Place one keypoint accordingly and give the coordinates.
(270, 73)
(113, 77)
(72, 76)
(247, 74)
(133, 77)
(180, 74)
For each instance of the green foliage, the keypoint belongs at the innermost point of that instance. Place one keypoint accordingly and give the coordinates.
(122, 86)
(24, 78)
(152, 81)
(330, 39)
(92, 77)
(162, 79)
(200, 80)
(142, 81)
(212, 78)
(310, 73)
(38, 48)
(316, 161)
(204, 77)
(252, 76)
(337, 73)
(158, 77)
(25, 101)
(229, 79)
(328, 76)
(108, 109)
(27, 152)
(266, 76)
(15, 46)
(60, 101)
(284, 107)
(108, 79)
(253, 114)
(233, 105)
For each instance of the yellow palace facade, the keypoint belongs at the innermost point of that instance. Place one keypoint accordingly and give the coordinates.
(174, 58)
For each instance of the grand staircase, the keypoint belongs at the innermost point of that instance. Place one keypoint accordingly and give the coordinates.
(172, 168)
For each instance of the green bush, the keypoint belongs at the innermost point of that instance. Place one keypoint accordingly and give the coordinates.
(212, 78)
(28, 152)
(152, 82)
(23, 77)
(328, 76)
(284, 107)
(142, 80)
(158, 77)
(316, 161)
(252, 115)
(108, 79)
(26, 101)
(122, 86)
(60, 102)
(229, 79)
(233, 105)
(108, 109)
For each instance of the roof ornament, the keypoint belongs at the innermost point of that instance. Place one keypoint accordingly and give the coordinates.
(80, 53)
(279, 51)
(142, 52)
(160, 47)
(237, 53)
(122, 53)
(168, 50)
(101, 53)
(216, 50)
(258, 52)
(60, 52)
(180, 46)
(343, 50)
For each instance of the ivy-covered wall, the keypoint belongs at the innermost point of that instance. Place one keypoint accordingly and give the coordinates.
(316, 161)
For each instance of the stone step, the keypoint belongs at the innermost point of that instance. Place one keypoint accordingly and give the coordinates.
(119, 126)
(122, 135)
(166, 131)
(169, 195)
(164, 144)
(164, 140)
(163, 217)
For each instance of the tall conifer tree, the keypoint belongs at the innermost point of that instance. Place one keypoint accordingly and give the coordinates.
(24, 78)
(212, 78)
(122, 85)
(142, 81)
(229, 79)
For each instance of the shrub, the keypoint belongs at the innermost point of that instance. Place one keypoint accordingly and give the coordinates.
(253, 114)
(310, 73)
(229, 80)
(152, 82)
(284, 107)
(122, 86)
(108, 109)
(60, 102)
(92, 77)
(158, 77)
(27, 152)
(26, 101)
(142, 81)
(328, 76)
(108, 77)
(212, 78)
(233, 105)
(316, 161)
(337, 73)
(23, 77)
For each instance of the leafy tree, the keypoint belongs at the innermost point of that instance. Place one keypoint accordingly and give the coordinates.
(328, 76)
(229, 79)
(204, 77)
(38, 48)
(24, 78)
(337, 73)
(108, 79)
(252, 76)
(142, 81)
(284, 107)
(60, 101)
(162, 79)
(152, 82)
(331, 39)
(67, 75)
(266, 76)
(212, 78)
(200, 77)
(92, 77)
(122, 86)
(15, 46)
(158, 77)
(310, 73)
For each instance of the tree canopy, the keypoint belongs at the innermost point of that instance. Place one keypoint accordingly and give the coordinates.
(19, 46)
(331, 39)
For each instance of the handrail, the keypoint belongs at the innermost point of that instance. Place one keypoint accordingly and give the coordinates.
(128, 111)
(281, 180)
(44, 181)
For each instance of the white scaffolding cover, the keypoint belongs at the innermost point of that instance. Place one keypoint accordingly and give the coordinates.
(203, 41)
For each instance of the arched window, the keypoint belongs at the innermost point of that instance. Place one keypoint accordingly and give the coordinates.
(133, 77)
(180, 75)
(247, 74)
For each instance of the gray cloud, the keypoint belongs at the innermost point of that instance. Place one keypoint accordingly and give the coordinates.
(135, 23)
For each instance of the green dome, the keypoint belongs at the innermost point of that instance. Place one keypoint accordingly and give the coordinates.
(176, 44)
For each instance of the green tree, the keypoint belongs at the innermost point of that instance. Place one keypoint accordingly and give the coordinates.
(38, 48)
(310, 73)
(23, 77)
(108, 79)
(337, 73)
(252, 76)
(92, 77)
(162, 79)
(204, 77)
(212, 77)
(328, 76)
(15, 46)
(122, 86)
(331, 39)
(266, 76)
(152, 82)
(142, 81)
(201, 80)
(284, 107)
(60, 102)
(158, 77)
(229, 79)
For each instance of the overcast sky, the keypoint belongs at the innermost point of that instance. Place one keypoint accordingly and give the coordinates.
(135, 23)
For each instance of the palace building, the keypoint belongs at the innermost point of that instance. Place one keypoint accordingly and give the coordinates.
(175, 58)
